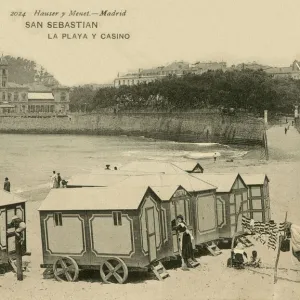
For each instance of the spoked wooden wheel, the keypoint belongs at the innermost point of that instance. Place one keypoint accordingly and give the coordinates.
(65, 269)
(114, 270)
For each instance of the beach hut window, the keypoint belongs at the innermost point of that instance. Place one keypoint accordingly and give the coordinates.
(173, 213)
(255, 191)
(238, 201)
(57, 217)
(117, 216)
(221, 212)
(232, 219)
(267, 202)
(10, 213)
(232, 208)
(245, 206)
(256, 204)
(257, 216)
(181, 209)
(163, 222)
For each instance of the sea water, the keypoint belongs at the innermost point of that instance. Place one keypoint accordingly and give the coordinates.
(28, 160)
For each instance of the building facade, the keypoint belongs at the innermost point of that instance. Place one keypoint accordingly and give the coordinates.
(176, 68)
(293, 71)
(30, 98)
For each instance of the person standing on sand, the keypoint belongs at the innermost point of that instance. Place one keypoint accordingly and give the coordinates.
(54, 181)
(58, 180)
(215, 157)
(6, 185)
(185, 243)
(285, 130)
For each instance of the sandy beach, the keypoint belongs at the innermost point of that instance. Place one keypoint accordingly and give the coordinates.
(212, 279)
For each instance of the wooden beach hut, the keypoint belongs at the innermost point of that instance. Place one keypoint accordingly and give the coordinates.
(259, 198)
(163, 174)
(10, 205)
(232, 193)
(106, 229)
(198, 204)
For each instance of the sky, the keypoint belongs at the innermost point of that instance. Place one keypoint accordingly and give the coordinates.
(162, 31)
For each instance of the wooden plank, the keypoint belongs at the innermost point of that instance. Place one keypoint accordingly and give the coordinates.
(281, 238)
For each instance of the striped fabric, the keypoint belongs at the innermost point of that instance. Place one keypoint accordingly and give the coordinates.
(266, 233)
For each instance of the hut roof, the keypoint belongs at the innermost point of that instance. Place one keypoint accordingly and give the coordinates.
(152, 167)
(187, 165)
(165, 192)
(224, 182)
(7, 198)
(106, 178)
(255, 179)
(93, 199)
(188, 182)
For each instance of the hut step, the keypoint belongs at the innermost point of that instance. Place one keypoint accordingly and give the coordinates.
(193, 264)
(245, 241)
(213, 249)
(13, 264)
(159, 271)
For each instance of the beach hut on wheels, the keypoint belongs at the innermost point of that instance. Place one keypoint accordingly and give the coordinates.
(232, 197)
(259, 198)
(106, 229)
(10, 205)
(197, 203)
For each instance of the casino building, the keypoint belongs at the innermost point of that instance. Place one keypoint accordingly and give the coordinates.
(30, 98)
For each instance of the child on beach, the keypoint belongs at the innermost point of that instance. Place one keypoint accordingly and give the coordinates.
(255, 261)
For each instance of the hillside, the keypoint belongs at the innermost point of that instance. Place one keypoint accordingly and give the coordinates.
(23, 71)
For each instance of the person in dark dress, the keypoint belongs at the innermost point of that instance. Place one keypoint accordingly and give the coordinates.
(7, 185)
(185, 242)
(58, 179)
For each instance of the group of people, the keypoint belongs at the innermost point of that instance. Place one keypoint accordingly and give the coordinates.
(239, 258)
(57, 181)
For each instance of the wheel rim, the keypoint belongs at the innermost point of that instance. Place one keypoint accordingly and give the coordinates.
(114, 270)
(65, 269)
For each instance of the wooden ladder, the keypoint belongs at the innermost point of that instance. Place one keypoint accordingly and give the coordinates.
(213, 248)
(13, 264)
(193, 263)
(159, 270)
(245, 241)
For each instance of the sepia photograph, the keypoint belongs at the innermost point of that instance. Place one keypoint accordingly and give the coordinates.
(150, 150)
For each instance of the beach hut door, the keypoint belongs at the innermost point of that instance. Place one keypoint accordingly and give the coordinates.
(151, 235)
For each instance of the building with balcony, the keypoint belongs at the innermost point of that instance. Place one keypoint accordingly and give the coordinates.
(30, 98)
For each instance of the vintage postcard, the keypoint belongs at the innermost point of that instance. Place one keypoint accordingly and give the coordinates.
(149, 149)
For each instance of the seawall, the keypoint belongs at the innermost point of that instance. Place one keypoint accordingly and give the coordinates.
(184, 127)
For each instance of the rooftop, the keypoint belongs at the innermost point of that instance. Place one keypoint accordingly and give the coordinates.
(93, 199)
(255, 179)
(16, 85)
(224, 181)
(188, 182)
(7, 198)
(152, 167)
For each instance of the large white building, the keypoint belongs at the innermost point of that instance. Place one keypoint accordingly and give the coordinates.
(30, 98)
(176, 68)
